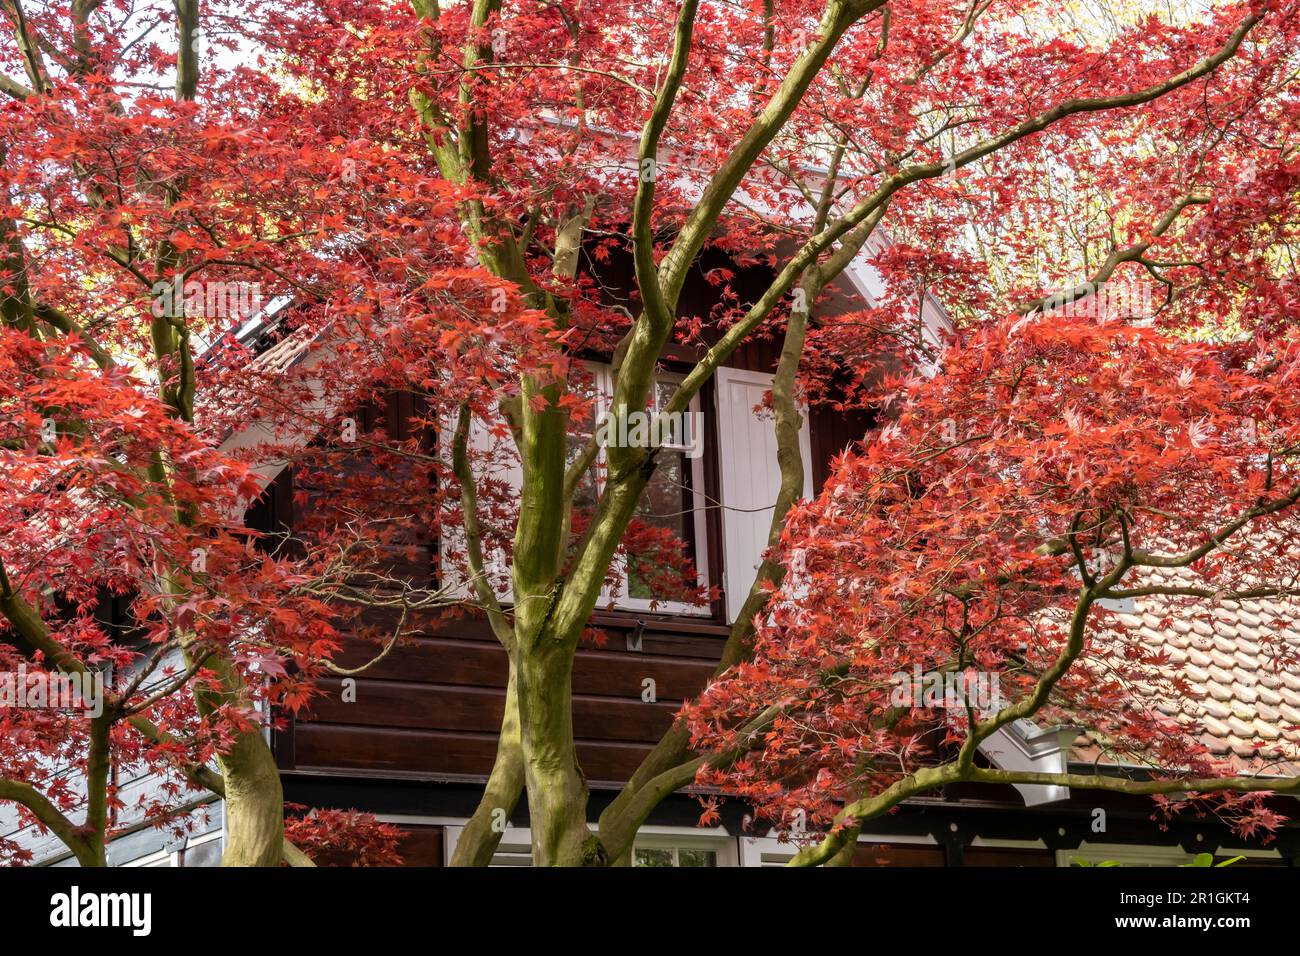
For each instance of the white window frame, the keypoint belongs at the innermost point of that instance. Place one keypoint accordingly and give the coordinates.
(610, 599)
(516, 842)
(718, 841)
(1124, 854)
(175, 855)
(155, 859)
(620, 599)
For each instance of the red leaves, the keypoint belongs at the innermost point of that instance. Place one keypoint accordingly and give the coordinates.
(935, 548)
(315, 179)
(342, 837)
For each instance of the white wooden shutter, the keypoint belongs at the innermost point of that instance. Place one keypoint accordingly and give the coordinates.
(751, 478)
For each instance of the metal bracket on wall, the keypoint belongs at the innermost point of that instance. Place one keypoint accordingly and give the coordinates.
(634, 637)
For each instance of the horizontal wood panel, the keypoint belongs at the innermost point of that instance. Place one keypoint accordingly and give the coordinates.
(479, 709)
(680, 637)
(421, 845)
(386, 750)
(434, 704)
(1007, 856)
(437, 660)
(703, 647)
(898, 854)
(614, 620)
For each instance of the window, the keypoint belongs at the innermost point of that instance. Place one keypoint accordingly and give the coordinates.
(664, 567)
(1123, 854)
(655, 846)
(674, 856)
(766, 851)
(664, 564)
(684, 847)
(513, 853)
(1128, 855)
(203, 850)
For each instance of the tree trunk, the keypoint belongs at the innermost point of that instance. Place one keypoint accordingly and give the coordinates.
(557, 789)
(254, 803)
(482, 833)
(618, 824)
(99, 766)
(844, 857)
(254, 796)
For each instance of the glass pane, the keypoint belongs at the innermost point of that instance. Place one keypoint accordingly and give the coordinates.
(654, 857)
(204, 854)
(660, 539)
(675, 431)
(582, 423)
(697, 858)
(584, 496)
(663, 392)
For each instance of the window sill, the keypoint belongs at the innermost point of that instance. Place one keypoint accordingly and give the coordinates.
(661, 621)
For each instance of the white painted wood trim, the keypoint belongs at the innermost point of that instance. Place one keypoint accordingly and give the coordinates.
(750, 478)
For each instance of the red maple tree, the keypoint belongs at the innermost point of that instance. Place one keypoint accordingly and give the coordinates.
(430, 191)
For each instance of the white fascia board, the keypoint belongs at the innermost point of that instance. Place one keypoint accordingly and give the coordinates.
(323, 405)
(1025, 746)
(263, 317)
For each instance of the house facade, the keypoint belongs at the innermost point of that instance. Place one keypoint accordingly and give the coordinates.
(414, 736)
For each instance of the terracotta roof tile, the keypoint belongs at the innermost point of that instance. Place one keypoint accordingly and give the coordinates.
(1216, 708)
(1247, 660)
(1218, 690)
(1221, 676)
(1216, 727)
(1240, 666)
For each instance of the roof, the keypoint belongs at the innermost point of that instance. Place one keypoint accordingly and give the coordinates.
(1238, 659)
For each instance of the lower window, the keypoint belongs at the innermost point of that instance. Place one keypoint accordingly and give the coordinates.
(674, 856)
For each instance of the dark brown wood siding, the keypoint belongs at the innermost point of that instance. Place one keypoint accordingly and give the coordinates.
(1007, 856)
(895, 854)
(421, 845)
(830, 432)
(433, 707)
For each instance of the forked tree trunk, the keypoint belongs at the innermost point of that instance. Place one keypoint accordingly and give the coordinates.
(628, 811)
